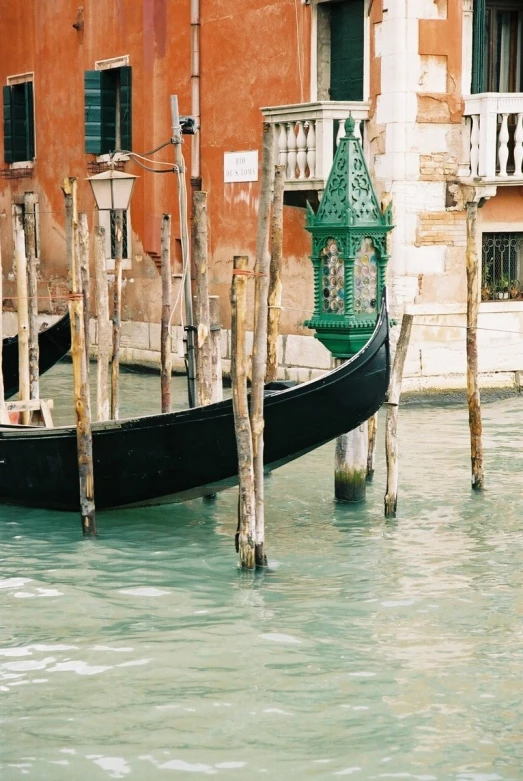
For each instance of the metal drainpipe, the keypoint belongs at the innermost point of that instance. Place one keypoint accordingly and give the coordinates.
(196, 179)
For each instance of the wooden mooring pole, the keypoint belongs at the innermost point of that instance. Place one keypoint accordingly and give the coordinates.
(83, 256)
(259, 352)
(245, 537)
(23, 314)
(350, 463)
(32, 291)
(203, 319)
(166, 361)
(103, 326)
(473, 395)
(391, 425)
(117, 317)
(275, 282)
(371, 454)
(216, 349)
(81, 378)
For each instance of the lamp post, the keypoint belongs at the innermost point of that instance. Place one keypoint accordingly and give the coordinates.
(349, 255)
(112, 191)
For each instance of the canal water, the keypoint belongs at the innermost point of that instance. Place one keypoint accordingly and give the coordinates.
(369, 649)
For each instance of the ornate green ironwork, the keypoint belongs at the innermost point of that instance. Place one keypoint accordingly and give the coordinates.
(349, 252)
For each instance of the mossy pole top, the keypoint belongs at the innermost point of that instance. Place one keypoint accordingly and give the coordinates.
(349, 251)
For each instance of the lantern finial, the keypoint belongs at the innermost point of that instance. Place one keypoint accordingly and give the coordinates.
(349, 126)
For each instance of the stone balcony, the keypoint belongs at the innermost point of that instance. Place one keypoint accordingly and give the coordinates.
(306, 136)
(494, 155)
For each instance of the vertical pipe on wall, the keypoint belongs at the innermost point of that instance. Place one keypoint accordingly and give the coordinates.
(195, 93)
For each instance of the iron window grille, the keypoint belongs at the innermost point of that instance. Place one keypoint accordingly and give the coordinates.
(501, 266)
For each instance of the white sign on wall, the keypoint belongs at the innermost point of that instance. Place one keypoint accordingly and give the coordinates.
(240, 166)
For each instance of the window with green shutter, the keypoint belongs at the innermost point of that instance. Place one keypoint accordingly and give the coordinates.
(497, 62)
(19, 143)
(108, 110)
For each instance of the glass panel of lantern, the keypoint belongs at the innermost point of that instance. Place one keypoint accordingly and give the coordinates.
(333, 278)
(365, 278)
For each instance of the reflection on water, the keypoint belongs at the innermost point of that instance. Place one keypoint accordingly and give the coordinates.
(370, 649)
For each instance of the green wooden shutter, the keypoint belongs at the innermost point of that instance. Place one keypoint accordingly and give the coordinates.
(347, 46)
(29, 118)
(8, 126)
(126, 117)
(93, 111)
(479, 47)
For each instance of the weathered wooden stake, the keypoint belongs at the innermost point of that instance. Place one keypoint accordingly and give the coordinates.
(216, 348)
(259, 352)
(245, 538)
(275, 282)
(3, 412)
(391, 424)
(473, 395)
(203, 320)
(166, 361)
(32, 291)
(23, 313)
(81, 379)
(83, 242)
(350, 463)
(117, 316)
(371, 455)
(103, 326)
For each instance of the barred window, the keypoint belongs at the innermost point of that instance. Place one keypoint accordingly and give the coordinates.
(502, 254)
(107, 220)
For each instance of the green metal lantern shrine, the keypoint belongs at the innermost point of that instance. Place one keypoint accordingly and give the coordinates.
(349, 252)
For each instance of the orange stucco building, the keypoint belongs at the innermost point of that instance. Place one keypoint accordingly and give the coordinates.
(245, 61)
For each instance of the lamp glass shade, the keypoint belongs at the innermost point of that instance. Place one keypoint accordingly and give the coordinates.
(112, 189)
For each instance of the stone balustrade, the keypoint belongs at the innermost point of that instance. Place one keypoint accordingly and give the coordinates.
(306, 136)
(496, 137)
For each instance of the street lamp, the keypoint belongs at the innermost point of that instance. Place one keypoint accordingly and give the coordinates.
(112, 189)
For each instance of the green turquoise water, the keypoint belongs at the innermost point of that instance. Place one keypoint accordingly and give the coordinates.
(369, 649)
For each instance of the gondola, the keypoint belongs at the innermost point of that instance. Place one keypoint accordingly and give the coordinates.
(178, 456)
(54, 342)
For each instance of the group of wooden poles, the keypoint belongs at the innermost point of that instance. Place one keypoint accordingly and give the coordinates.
(350, 457)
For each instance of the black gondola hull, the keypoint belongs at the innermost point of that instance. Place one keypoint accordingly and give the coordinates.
(184, 455)
(53, 344)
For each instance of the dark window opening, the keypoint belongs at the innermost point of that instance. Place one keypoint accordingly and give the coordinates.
(346, 49)
(108, 110)
(19, 144)
(498, 46)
